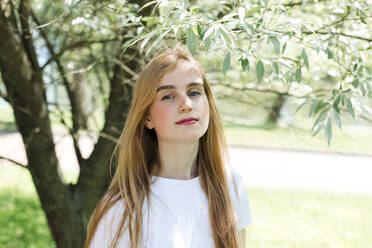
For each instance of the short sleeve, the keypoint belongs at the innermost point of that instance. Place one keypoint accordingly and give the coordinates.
(107, 227)
(241, 203)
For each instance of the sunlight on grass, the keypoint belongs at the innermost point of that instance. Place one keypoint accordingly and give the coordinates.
(292, 218)
(22, 221)
(350, 140)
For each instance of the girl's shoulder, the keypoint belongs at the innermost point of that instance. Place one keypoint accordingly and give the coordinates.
(233, 175)
(108, 224)
(239, 196)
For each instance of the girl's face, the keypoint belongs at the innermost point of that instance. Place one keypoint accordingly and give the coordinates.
(180, 110)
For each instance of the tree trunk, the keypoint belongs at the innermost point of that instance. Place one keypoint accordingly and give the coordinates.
(275, 111)
(25, 88)
(67, 207)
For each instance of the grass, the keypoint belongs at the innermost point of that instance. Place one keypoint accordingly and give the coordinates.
(292, 218)
(22, 221)
(7, 119)
(349, 140)
(281, 218)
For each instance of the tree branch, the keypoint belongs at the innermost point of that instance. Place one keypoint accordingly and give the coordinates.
(24, 166)
(292, 3)
(26, 35)
(56, 56)
(338, 33)
(65, 82)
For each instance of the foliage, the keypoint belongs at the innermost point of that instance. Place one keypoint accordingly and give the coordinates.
(321, 44)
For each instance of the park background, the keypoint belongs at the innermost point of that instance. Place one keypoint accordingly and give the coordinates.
(292, 81)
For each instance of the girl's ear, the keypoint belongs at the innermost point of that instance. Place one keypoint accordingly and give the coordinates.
(149, 123)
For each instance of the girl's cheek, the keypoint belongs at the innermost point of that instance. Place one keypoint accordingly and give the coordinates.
(161, 113)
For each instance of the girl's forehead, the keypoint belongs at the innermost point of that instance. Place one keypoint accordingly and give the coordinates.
(184, 72)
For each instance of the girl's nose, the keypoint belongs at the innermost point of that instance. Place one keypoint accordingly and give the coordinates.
(185, 105)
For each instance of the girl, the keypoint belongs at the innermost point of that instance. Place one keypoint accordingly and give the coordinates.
(172, 188)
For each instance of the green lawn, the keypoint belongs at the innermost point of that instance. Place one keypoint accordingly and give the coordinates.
(22, 221)
(349, 140)
(292, 218)
(281, 218)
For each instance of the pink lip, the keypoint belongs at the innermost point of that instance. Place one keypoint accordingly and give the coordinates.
(187, 121)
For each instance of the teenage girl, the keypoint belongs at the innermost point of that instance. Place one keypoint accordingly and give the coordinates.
(172, 187)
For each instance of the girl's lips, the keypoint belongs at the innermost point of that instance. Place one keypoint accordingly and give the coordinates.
(188, 121)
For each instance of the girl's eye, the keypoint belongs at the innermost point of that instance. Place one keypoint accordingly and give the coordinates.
(166, 97)
(194, 93)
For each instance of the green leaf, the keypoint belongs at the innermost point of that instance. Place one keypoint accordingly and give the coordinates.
(128, 43)
(248, 28)
(207, 43)
(245, 64)
(200, 31)
(346, 91)
(360, 71)
(146, 40)
(317, 130)
(260, 70)
(226, 63)
(300, 107)
(350, 107)
(304, 57)
(275, 43)
(336, 103)
(226, 37)
(313, 107)
(259, 22)
(191, 41)
(320, 117)
(363, 89)
(337, 119)
(285, 64)
(298, 75)
(208, 33)
(253, 10)
(368, 70)
(355, 83)
(329, 53)
(157, 40)
(328, 131)
(194, 9)
(284, 47)
(321, 106)
(276, 68)
(146, 5)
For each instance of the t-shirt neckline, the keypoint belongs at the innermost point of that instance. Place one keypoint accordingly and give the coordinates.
(174, 180)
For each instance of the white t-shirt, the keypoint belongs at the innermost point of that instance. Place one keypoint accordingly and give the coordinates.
(178, 216)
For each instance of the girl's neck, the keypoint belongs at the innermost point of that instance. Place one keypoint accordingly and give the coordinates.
(178, 160)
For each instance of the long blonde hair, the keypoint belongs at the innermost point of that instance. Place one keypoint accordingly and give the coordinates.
(137, 154)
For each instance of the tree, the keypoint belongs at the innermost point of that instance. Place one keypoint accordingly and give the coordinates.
(308, 50)
(22, 29)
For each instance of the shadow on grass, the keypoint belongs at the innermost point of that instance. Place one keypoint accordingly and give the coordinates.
(22, 222)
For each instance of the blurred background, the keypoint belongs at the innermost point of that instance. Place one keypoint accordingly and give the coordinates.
(291, 79)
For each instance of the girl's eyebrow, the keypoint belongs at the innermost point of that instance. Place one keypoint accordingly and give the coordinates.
(164, 87)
